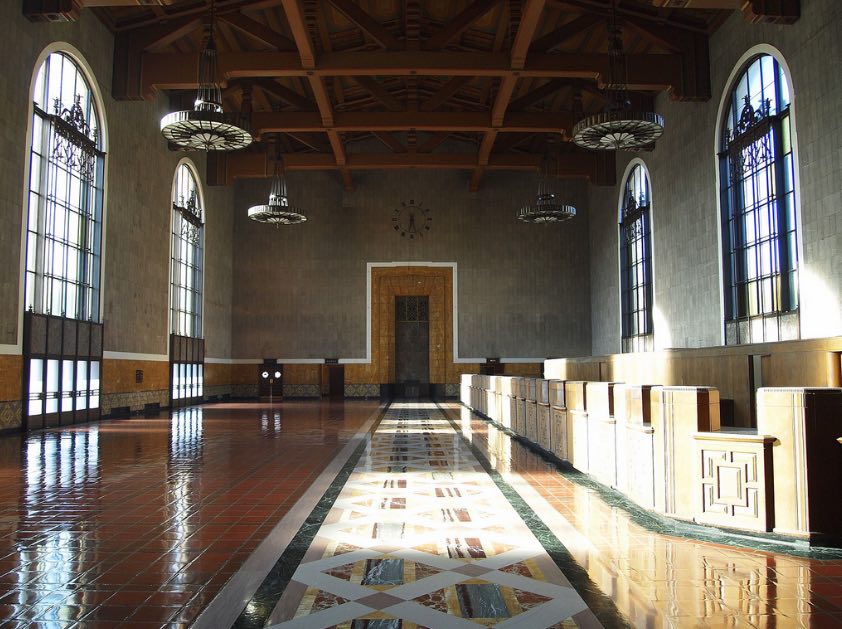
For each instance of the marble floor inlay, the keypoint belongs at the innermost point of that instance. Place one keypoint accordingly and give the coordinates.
(421, 536)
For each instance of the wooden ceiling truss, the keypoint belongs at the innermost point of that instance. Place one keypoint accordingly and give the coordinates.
(473, 85)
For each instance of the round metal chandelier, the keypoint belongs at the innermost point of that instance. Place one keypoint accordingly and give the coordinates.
(618, 129)
(207, 127)
(618, 126)
(546, 209)
(278, 211)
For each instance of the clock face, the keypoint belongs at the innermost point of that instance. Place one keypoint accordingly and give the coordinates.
(411, 220)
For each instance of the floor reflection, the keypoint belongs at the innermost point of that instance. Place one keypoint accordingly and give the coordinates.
(143, 520)
(658, 580)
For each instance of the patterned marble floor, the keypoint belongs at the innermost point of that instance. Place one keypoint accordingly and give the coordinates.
(421, 536)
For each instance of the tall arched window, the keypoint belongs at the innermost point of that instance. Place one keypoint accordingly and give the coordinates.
(757, 177)
(188, 235)
(636, 261)
(186, 261)
(64, 223)
(64, 215)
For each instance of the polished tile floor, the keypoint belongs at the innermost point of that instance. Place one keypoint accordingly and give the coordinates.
(141, 521)
(656, 579)
(421, 536)
(144, 522)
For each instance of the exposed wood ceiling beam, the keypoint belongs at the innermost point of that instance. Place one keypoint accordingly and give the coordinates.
(379, 92)
(529, 20)
(507, 142)
(558, 36)
(603, 9)
(225, 168)
(412, 24)
(323, 101)
(370, 121)
(286, 94)
(458, 24)
(390, 141)
(258, 30)
(298, 27)
(311, 141)
(698, 4)
(445, 92)
(193, 10)
(483, 157)
(362, 19)
(177, 71)
(166, 33)
(341, 159)
(539, 93)
(126, 79)
(501, 100)
(433, 142)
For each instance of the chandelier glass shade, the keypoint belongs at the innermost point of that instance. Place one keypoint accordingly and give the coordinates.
(547, 208)
(207, 127)
(278, 211)
(619, 126)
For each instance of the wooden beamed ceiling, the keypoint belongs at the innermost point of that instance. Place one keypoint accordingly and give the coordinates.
(475, 85)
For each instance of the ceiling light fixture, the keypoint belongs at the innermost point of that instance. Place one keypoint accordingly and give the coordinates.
(207, 127)
(279, 211)
(547, 209)
(618, 126)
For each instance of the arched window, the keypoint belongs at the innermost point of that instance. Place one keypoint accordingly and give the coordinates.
(636, 261)
(188, 235)
(64, 223)
(64, 216)
(187, 260)
(757, 177)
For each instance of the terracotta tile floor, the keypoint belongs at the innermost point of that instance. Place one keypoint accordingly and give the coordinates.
(139, 522)
(658, 580)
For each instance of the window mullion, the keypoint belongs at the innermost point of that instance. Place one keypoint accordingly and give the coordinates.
(782, 227)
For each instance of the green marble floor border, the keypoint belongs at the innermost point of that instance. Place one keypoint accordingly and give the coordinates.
(258, 609)
(601, 605)
(665, 525)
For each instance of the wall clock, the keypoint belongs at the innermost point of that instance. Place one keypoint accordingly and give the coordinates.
(411, 220)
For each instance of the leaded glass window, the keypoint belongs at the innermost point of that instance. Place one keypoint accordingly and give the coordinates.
(188, 234)
(64, 218)
(636, 262)
(759, 238)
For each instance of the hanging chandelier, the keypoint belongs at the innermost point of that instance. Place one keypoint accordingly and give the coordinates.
(618, 126)
(546, 209)
(278, 211)
(207, 127)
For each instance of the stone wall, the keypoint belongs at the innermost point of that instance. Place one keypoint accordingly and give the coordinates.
(140, 169)
(300, 291)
